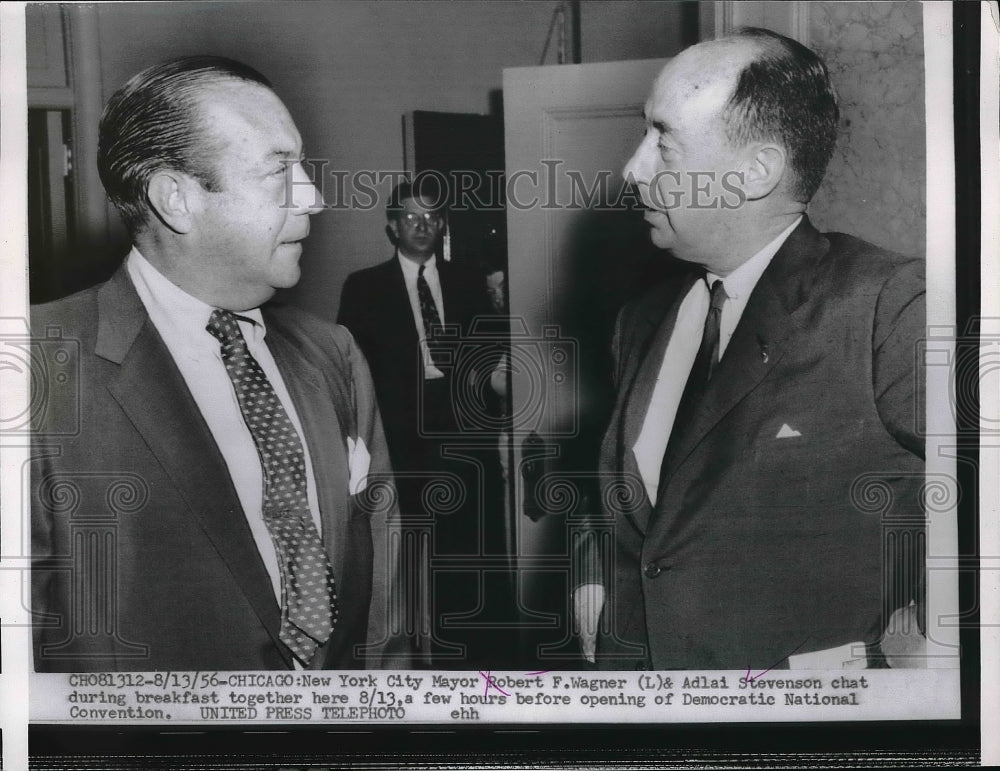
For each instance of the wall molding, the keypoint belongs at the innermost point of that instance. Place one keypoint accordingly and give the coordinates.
(788, 18)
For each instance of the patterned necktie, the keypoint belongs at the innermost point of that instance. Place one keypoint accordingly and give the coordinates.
(308, 593)
(432, 321)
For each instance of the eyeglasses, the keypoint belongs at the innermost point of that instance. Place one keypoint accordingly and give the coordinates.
(428, 218)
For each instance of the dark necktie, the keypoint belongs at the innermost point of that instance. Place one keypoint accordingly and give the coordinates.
(432, 321)
(308, 593)
(705, 362)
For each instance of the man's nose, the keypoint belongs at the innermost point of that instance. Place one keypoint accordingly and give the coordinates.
(640, 167)
(305, 196)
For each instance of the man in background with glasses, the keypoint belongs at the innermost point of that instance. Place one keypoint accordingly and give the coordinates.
(413, 317)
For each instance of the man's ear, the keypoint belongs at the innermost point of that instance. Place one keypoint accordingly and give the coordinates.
(392, 231)
(764, 170)
(173, 196)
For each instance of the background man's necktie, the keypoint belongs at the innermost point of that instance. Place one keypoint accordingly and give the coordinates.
(704, 366)
(432, 321)
(309, 599)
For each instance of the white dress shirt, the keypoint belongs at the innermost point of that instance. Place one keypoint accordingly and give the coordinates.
(181, 320)
(410, 271)
(682, 348)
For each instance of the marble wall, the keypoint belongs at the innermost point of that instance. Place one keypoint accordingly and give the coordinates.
(875, 187)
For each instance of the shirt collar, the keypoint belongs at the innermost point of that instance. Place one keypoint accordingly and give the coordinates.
(186, 315)
(741, 282)
(411, 269)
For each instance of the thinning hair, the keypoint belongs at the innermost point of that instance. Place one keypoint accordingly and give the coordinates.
(154, 122)
(785, 95)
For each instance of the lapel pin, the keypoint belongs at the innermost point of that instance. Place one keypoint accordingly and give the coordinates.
(764, 356)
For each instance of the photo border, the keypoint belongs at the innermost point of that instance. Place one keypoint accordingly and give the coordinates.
(664, 744)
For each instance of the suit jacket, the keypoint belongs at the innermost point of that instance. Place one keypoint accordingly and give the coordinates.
(788, 518)
(143, 558)
(375, 307)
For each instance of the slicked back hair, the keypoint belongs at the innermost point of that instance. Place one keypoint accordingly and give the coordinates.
(426, 185)
(153, 122)
(785, 95)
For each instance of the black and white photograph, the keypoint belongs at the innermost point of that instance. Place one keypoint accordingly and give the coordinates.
(380, 367)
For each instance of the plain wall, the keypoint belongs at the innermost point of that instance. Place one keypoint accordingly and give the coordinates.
(349, 71)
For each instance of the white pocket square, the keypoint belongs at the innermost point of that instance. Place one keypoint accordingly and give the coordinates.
(786, 432)
(358, 461)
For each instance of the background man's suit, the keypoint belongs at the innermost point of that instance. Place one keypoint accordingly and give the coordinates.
(189, 583)
(800, 468)
(376, 309)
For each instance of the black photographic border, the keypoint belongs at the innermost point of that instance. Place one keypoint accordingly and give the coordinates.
(886, 744)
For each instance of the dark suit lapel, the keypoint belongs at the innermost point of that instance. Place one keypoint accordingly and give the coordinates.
(151, 391)
(451, 294)
(399, 314)
(648, 341)
(398, 324)
(324, 436)
(759, 342)
(652, 333)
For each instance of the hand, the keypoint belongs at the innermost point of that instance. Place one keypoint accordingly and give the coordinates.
(588, 601)
(902, 644)
(498, 378)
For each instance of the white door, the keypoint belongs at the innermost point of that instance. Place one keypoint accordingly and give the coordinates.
(574, 258)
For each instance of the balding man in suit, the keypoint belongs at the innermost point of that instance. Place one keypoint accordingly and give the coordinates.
(765, 417)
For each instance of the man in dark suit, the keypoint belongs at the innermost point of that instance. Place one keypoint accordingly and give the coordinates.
(414, 317)
(216, 507)
(764, 430)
